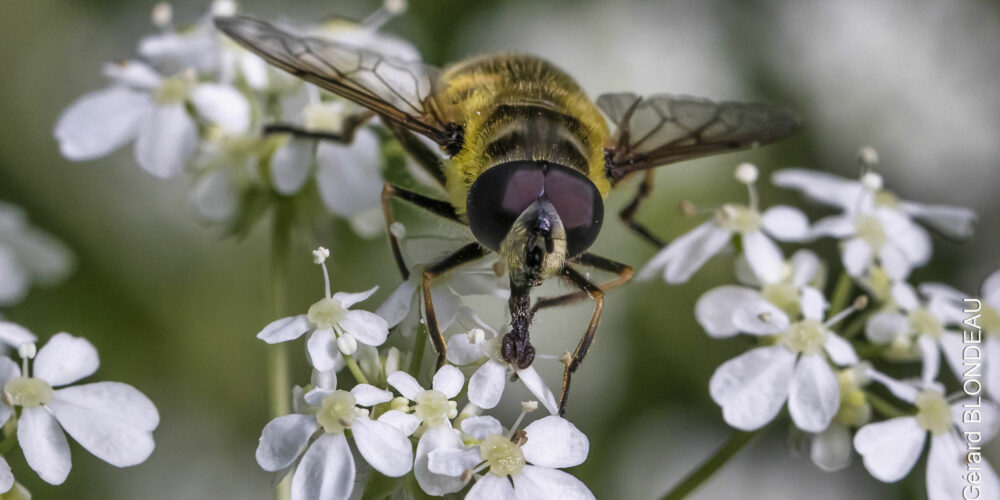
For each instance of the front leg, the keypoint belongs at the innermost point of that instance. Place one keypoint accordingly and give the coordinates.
(624, 273)
(464, 255)
(573, 362)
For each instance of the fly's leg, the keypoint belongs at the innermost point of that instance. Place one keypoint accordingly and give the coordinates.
(627, 214)
(574, 360)
(348, 127)
(436, 207)
(419, 152)
(464, 255)
(624, 273)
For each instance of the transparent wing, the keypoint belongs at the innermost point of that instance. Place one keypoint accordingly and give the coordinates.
(660, 129)
(401, 91)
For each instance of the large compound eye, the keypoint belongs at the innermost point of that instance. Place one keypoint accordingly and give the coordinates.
(578, 204)
(499, 196)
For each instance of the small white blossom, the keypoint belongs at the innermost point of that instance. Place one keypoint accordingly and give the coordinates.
(832, 449)
(111, 420)
(28, 256)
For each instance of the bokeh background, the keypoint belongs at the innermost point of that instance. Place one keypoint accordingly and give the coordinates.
(173, 307)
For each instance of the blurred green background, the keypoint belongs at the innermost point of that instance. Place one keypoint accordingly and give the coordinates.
(173, 308)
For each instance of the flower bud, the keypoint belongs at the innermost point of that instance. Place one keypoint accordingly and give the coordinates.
(868, 157)
(872, 181)
(27, 350)
(746, 173)
(347, 344)
(162, 14)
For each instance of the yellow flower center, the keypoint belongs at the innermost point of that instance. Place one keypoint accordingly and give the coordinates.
(925, 323)
(28, 392)
(870, 230)
(990, 320)
(854, 410)
(933, 412)
(879, 283)
(326, 313)
(886, 199)
(807, 336)
(783, 295)
(504, 457)
(433, 408)
(337, 412)
(738, 218)
(172, 90)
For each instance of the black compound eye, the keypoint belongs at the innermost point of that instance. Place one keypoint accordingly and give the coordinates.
(579, 205)
(499, 196)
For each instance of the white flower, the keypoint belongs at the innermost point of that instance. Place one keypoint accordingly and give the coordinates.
(111, 420)
(447, 291)
(326, 469)
(831, 449)
(752, 387)
(519, 463)
(891, 448)
(686, 254)
(143, 105)
(433, 410)
(487, 384)
(28, 256)
(335, 327)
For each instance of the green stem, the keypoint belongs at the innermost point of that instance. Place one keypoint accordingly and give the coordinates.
(419, 346)
(841, 293)
(279, 381)
(884, 407)
(857, 324)
(352, 365)
(709, 467)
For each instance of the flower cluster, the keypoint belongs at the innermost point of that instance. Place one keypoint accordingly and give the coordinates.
(809, 351)
(28, 256)
(402, 427)
(245, 132)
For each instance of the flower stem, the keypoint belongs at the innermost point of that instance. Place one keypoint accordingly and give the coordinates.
(279, 381)
(709, 467)
(841, 293)
(419, 346)
(884, 407)
(352, 365)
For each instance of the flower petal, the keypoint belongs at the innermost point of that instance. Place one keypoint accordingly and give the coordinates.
(326, 470)
(555, 442)
(687, 253)
(542, 482)
(452, 461)
(840, 350)
(785, 223)
(14, 334)
(902, 390)
(904, 296)
(101, 122)
(533, 381)
(813, 303)
(814, 396)
(113, 421)
(952, 221)
(831, 449)
(349, 177)
(222, 105)
(760, 317)
(405, 384)
(896, 264)
(884, 327)
(931, 359)
(291, 164)
(481, 426)
(348, 300)
(834, 226)
(990, 289)
(369, 328)
(369, 395)
(714, 309)
(6, 477)
(820, 186)
(856, 256)
(976, 415)
(909, 238)
(491, 487)
(383, 446)
(64, 359)
(285, 329)
(752, 387)
(322, 349)
(405, 422)
(953, 349)
(462, 351)
(283, 440)
(167, 137)
(397, 306)
(448, 380)
(991, 378)
(947, 469)
(215, 197)
(805, 267)
(44, 445)
(487, 384)
(890, 448)
(441, 437)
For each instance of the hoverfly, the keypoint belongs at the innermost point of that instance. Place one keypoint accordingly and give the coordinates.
(530, 159)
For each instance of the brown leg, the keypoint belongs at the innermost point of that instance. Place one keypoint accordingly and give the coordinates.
(627, 214)
(464, 255)
(346, 134)
(623, 271)
(436, 207)
(420, 152)
(588, 337)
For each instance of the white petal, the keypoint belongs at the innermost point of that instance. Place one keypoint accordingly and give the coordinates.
(890, 448)
(397, 306)
(683, 256)
(554, 442)
(101, 122)
(368, 327)
(6, 476)
(909, 238)
(813, 304)
(820, 186)
(976, 415)
(405, 422)
(14, 334)
(714, 309)
(167, 137)
(284, 329)
(326, 471)
(16, 278)
(222, 105)
(448, 380)
(902, 390)
(856, 256)
(291, 164)
(486, 384)
(383, 446)
(283, 440)
(215, 197)
(954, 222)
(904, 296)
(453, 462)
(64, 359)
(436, 438)
(542, 483)
(462, 351)
(446, 305)
(481, 426)
(405, 384)
(349, 177)
(884, 327)
(952, 347)
(491, 487)
(840, 351)
(805, 266)
(831, 450)
(537, 386)
(946, 469)
(44, 445)
(324, 379)
(990, 289)
(369, 395)
(992, 372)
(348, 300)
(834, 226)
(896, 264)
(785, 223)
(135, 74)
(752, 387)
(322, 349)
(760, 317)
(931, 359)
(814, 396)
